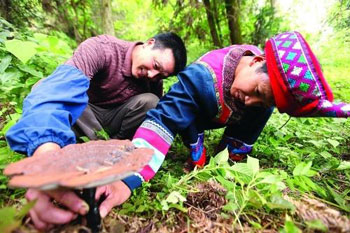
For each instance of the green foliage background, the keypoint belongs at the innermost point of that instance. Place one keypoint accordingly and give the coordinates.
(306, 156)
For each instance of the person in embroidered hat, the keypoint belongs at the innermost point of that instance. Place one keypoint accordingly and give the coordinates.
(228, 88)
(237, 88)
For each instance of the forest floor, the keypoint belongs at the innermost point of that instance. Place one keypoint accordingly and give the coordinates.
(204, 214)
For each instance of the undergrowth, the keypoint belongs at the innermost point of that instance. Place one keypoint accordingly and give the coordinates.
(293, 158)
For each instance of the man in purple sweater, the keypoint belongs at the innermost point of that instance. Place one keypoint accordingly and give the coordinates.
(107, 84)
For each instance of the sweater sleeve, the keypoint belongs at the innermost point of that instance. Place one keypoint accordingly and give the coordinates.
(193, 94)
(50, 110)
(89, 57)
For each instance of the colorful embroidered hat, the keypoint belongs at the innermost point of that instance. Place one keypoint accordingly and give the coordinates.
(297, 82)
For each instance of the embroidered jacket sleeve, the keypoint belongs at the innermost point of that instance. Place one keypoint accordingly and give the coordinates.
(193, 94)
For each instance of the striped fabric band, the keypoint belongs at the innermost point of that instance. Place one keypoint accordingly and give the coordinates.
(154, 136)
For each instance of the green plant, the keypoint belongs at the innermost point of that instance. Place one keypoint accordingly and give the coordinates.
(11, 218)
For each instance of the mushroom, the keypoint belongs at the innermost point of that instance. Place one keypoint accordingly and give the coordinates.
(80, 167)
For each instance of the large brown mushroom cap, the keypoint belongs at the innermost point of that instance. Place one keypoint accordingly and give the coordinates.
(78, 166)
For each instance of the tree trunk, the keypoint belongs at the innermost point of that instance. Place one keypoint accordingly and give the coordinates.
(232, 11)
(217, 20)
(5, 8)
(211, 22)
(107, 21)
(273, 3)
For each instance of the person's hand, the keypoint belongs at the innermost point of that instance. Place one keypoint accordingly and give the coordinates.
(48, 146)
(45, 214)
(115, 193)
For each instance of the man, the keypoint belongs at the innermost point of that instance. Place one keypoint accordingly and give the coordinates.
(236, 87)
(120, 81)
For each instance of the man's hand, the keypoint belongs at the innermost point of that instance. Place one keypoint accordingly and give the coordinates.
(49, 146)
(45, 214)
(116, 194)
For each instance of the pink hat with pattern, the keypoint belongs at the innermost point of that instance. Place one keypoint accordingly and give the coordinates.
(297, 81)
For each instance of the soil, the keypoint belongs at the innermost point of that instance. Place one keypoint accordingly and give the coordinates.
(203, 215)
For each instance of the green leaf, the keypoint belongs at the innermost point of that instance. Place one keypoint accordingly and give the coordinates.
(30, 70)
(253, 164)
(10, 78)
(102, 134)
(256, 225)
(140, 209)
(9, 124)
(31, 81)
(170, 181)
(302, 169)
(5, 62)
(339, 199)
(318, 144)
(316, 225)
(314, 186)
(290, 227)
(270, 179)
(8, 221)
(23, 50)
(344, 165)
(255, 199)
(53, 41)
(165, 205)
(178, 207)
(230, 207)
(326, 154)
(84, 139)
(334, 143)
(222, 157)
(25, 209)
(175, 197)
(242, 168)
(278, 202)
(273, 180)
(227, 184)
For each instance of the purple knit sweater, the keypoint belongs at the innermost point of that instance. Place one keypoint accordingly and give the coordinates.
(106, 60)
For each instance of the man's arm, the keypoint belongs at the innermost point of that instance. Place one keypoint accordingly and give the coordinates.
(57, 101)
(50, 110)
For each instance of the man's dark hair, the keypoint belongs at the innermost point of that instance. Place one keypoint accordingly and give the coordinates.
(174, 42)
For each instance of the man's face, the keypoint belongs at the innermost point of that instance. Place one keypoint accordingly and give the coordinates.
(152, 64)
(250, 87)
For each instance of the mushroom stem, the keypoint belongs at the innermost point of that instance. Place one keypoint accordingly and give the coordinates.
(93, 217)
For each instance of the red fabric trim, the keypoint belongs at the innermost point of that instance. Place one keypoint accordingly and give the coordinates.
(201, 162)
(225, 114)
(307, 109)
(283, 99)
